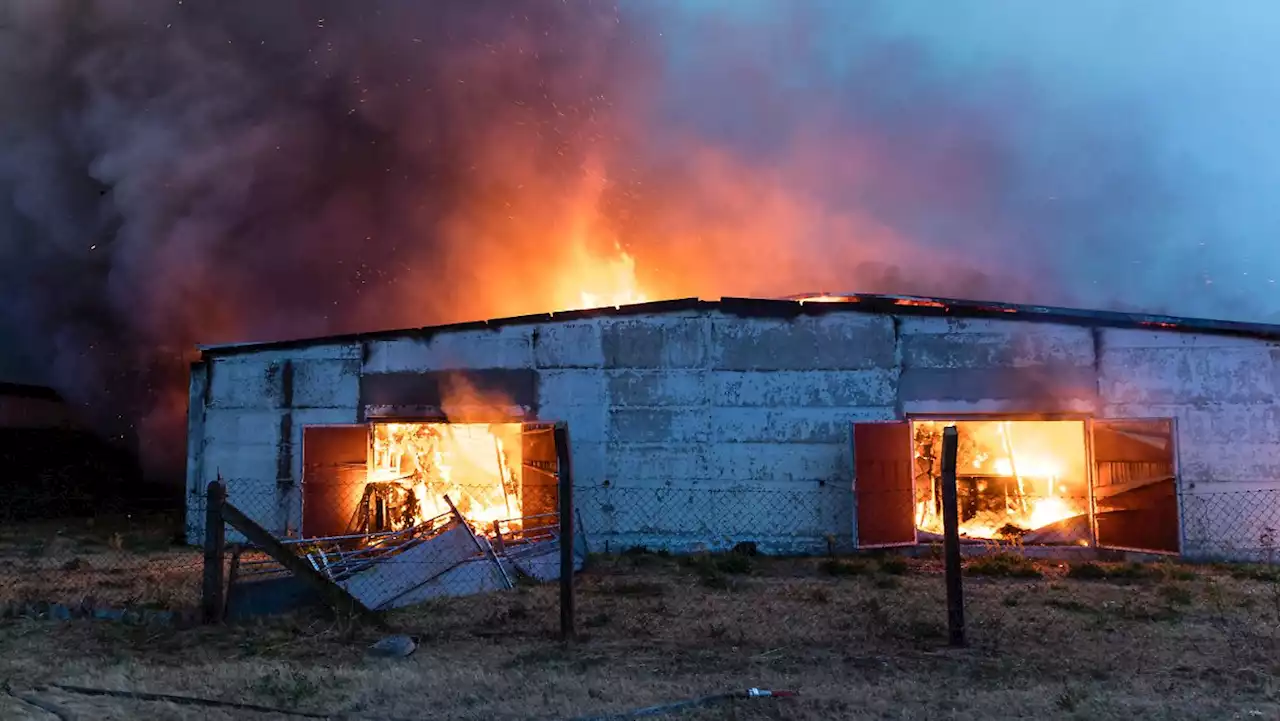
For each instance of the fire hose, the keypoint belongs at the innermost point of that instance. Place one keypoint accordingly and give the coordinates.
(658, 710)
(663, 709)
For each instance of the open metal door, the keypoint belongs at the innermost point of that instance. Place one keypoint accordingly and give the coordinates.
(539, 472)
(882, 485)
(335, 466)
(1135, 487)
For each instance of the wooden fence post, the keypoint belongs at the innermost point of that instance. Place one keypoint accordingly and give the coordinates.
(564, 475)
(951, 537)
(213, 593)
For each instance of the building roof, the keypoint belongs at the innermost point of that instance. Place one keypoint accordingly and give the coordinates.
(815, 304)
(23, 390)
(16, 369)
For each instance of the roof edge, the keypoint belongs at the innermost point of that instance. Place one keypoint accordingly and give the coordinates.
(27, 390)
(808, 304)
(649, 308)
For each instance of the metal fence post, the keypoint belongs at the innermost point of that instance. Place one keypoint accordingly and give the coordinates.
(215, 543)
(951, 537)
(564, 473)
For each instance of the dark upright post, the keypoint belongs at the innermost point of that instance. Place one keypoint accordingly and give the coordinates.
(564, 474)
(951, 536)
(215, 542)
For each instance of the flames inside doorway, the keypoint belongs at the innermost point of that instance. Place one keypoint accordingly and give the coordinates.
(396, 513)
(387, 477)
(414, 467)
(1015, 480)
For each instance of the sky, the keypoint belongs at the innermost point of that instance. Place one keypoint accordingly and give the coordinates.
(1205, 75)
(1179, 95)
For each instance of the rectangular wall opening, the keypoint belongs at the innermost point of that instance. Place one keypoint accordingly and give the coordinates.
(1135, 485)
(1016, 480)
(334, 470)
(415, 467)
(391, 476)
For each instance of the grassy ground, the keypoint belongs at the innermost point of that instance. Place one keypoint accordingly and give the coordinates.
(115, 561)
(858, 638)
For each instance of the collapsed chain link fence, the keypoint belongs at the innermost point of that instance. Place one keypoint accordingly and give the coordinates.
(384, 547)
(66, 564)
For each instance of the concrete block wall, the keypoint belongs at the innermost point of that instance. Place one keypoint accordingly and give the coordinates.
(689, 428)
(699, 428)
(723, 429)
(958, 365)
(1224, 394)
(567, 358)
(245, 425)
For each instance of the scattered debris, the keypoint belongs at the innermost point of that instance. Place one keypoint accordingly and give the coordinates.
(441, 557)
(394, 647)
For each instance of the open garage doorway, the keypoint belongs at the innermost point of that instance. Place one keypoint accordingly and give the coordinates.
(1015, 480)
(1074, 482)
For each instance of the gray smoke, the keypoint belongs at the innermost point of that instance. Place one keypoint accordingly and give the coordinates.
(198, 171)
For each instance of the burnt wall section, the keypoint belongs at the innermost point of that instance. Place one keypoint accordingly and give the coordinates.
(537, 372)
(722, 428)
(1224, 396)
(957, 365)
(513, 392)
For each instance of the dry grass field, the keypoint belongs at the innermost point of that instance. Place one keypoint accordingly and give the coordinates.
(110, 561)
(858, 638)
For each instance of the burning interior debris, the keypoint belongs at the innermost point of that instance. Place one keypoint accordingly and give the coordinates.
(1024, 480)
(399, 512)
(414, 466)
(1104, 483)
(387, 477)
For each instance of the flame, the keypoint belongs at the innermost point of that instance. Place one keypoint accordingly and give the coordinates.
(919, 302)
(1042, 474)
(610, 282)
(827, 298)
(474, 464)
(1048, 511)
(1032, 466)
(591, 278)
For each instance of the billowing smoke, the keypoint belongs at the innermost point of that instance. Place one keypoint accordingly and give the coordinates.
(196, 171)
(183, 172)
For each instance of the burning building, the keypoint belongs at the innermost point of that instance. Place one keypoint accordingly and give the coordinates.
(793, 424)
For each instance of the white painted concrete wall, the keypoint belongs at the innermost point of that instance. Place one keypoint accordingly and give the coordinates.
(1225, 396)
(702, 428)
(243, 429)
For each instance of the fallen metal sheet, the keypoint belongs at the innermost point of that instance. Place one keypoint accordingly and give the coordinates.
(541, 561)
(1068, 531)
(393, 577)
(473, 577)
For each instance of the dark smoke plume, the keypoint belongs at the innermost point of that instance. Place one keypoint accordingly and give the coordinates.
(198, 171)
(183, 172)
